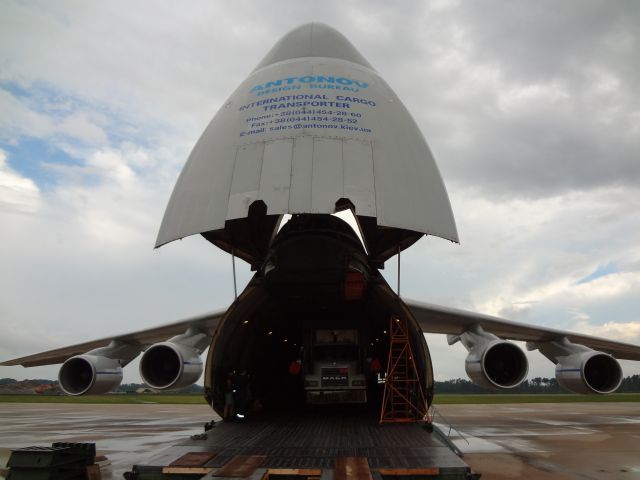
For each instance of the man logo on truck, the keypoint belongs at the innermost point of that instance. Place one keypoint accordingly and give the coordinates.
(335, 373)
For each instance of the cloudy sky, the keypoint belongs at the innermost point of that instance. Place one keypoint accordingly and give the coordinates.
(530, 108)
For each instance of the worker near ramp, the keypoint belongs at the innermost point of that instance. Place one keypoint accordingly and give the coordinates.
(242, 398)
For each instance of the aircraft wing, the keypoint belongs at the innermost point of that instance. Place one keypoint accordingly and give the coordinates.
(439, 319)
(207, 322)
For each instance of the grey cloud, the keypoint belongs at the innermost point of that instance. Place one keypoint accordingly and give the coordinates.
(533, 42)
(543, 155)
(454, 67)
(585, 140)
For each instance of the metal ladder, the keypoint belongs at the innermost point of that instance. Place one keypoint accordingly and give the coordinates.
(403, 400)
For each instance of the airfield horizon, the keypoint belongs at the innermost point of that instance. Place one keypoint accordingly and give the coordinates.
(443, 399)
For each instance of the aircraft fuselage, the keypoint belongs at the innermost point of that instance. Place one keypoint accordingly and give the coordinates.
(316, 276)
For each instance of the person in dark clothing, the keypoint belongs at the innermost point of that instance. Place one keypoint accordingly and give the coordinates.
(243, 394)
(228, 397)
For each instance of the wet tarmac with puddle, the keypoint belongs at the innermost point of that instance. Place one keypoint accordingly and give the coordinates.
(540, 441)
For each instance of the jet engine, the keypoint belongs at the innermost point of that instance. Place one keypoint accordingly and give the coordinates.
(589, 372)
(97, 371)
(175, 363)
(170, 365)
(499, 364)
(580, 369)
(492, 363)
(89, 374)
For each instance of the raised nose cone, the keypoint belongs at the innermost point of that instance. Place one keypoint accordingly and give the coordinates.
(312, 130)
(313, 40)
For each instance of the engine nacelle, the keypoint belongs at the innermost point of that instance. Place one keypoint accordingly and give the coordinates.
(497, 364)
(580, 369)
(89, 374)
(169, 365)
(589, 372)
(492, 362)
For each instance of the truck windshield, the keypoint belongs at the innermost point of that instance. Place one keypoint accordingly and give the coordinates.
(335, 353)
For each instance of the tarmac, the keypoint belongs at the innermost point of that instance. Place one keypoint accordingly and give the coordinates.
(548, 441)
(541, 441)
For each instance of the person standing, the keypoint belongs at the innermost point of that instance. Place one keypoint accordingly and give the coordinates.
(243, 394)
(228, 397)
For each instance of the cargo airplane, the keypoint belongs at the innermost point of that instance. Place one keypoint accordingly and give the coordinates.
(315, 130)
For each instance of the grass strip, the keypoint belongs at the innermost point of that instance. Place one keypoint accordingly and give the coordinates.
(442, 399)
(106, 399)
(488, 399)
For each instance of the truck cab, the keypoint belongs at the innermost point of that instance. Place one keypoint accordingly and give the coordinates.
(334, 372)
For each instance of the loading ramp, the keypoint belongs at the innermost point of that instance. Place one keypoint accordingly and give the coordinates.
(309, 446)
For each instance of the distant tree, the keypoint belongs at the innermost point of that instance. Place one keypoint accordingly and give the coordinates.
(133, 387)
(535, 385)
(630, 384)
